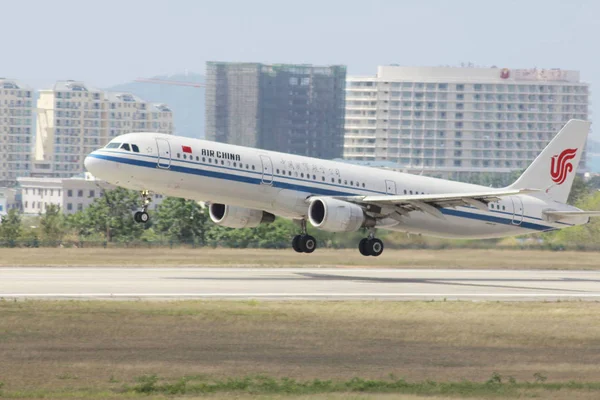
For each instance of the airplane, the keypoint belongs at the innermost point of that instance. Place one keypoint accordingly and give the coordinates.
(245, 187)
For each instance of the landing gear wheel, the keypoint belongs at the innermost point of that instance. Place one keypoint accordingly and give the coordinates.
(296, 244)
(362, 247)
(141, 217)
(375, 247)
(370, 247)
(308, 244)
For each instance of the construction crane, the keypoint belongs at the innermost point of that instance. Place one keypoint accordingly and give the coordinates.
(170, 82)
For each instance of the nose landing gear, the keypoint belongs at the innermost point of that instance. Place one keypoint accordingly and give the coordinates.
(142, 216)
(304, 243)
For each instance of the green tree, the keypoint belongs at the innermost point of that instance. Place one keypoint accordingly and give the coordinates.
(52, 224)
(10, 228)
(182, 220)
(110, 216)
(579, 190)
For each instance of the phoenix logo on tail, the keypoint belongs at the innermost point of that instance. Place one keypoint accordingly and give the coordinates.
(560, 165)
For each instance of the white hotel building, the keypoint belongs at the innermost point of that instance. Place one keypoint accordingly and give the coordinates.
(455, 121)
(16, 130)
(75, 119)
(70, 194)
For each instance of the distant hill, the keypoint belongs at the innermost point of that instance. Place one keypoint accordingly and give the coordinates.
(186, 102)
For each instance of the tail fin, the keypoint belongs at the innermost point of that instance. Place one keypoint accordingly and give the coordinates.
(554, 168)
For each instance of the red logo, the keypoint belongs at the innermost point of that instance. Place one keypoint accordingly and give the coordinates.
(560, 165)
(505, 73)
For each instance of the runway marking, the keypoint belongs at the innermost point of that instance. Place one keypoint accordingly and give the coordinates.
(233, 295)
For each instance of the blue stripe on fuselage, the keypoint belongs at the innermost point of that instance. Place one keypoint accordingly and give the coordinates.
(310, 189)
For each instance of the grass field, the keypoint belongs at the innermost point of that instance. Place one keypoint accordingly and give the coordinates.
(100, 349)
(455, 258)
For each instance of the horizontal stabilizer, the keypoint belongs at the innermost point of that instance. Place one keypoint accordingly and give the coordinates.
(567, 214)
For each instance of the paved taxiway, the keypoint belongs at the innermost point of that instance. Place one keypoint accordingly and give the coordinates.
(298, 283)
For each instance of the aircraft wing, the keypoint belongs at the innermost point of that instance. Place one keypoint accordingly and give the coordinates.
(430, 203)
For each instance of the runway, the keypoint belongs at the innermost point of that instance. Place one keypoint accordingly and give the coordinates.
(297, 283)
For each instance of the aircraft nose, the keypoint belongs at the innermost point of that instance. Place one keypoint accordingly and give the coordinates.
(92, 164)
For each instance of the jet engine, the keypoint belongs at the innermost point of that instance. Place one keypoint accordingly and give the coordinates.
(238, 217)
(335, 215)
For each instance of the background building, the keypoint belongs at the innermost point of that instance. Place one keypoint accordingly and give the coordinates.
(16, 130)
(70, 194)
(454, 122)
(296, 109)
(9, 199)
(74, 120)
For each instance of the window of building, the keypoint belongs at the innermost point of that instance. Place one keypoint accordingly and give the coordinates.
(69, 206)
(79, 207)
(69, 193)
(92, 193)
(80, 193)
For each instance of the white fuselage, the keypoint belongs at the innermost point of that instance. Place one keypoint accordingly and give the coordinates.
(281, 183)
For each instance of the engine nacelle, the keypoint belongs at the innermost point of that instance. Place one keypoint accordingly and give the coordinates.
(335, 215)
(238, 217)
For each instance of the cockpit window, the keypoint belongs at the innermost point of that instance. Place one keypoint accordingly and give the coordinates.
(135, 148)
(125, 146)
(113, 145)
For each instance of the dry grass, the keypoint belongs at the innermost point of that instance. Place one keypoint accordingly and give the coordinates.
(456, 258)
(53, 347)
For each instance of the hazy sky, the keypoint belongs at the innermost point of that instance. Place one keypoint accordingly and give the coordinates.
(108, 42)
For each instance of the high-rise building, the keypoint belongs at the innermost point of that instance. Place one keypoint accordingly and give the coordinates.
(16, 130)
(453, 122)
(296, 109)
(75, 119)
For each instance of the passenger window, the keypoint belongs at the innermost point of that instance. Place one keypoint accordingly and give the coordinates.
(235, 164)
(323, 178)
(197, 158)
(351, 183)
(222, 162)
(339, 181)
(253, 168)
(404, 191)
(503, 207)
(216, 161)
(184, 157)
(203, 159)
(332, 180)
(302, 175)
(135, 148)
(210, 160)
(290, 173)
(410, 192)
(363, 185)
(125, 146)
(178, 155)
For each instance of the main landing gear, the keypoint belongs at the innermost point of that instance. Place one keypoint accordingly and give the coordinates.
(370, 246)
(304, 243)
(142, 216)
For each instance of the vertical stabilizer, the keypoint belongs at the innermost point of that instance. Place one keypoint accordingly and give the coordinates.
(554, 168)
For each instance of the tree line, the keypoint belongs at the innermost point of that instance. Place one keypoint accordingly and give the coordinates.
(109, 220)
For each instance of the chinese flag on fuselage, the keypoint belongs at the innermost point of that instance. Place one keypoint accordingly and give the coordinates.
(186, 149)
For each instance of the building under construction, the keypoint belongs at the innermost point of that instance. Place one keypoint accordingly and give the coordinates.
(296, 109)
